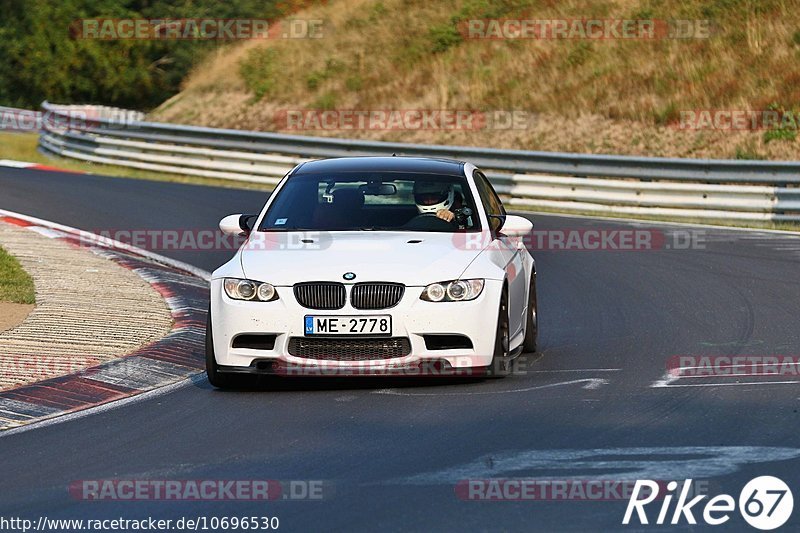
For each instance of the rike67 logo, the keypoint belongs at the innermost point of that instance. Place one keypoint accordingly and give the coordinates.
(765, 503)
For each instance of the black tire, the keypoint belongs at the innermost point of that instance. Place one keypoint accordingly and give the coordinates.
(217, 379)
(500, 363)
(530, 344)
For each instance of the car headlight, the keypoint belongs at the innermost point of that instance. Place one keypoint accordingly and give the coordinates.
(245, 289)
(458, 290)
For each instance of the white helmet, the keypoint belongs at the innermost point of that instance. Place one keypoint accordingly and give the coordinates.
(431, 196)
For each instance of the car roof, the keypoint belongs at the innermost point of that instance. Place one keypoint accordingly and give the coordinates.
(426, 165)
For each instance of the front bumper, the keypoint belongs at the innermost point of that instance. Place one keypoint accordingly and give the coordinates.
(412, 318)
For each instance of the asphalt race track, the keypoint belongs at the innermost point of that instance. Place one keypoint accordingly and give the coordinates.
(390, 454)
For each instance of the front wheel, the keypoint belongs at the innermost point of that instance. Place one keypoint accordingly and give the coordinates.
(530, 344)
(500, 363)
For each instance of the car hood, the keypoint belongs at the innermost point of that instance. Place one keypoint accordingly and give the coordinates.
(286, 258)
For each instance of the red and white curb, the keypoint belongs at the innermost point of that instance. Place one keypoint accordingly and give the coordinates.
(178, 355)
(10, 163)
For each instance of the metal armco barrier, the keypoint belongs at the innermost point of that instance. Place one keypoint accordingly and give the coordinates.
(603, 184)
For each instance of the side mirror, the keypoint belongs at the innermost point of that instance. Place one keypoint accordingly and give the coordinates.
(246, 222)
(496, 222)
(516, 226)
(237, 224)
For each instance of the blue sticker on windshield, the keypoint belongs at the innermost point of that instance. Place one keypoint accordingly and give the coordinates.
(281, 221)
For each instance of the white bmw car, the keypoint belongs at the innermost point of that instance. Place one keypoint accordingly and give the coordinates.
(374, 265)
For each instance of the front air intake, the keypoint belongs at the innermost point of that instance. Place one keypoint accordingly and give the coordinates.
(349, 349)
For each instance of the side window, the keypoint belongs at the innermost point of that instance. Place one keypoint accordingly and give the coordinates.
(491, 202)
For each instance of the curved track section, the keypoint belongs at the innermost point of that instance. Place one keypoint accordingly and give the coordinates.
(166, 360)
(599, 402)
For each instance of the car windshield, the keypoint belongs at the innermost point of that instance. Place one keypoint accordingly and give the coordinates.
(377, 201)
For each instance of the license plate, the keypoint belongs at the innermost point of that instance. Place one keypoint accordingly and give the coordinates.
(373, 325)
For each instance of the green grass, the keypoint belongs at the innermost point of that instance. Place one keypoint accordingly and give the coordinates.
(23, 147)
(16, 285)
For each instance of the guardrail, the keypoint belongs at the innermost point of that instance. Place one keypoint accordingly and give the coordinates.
(679, 188)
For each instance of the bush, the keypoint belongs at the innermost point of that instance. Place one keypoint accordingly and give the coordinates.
(444, 36)
(43, 56)
(259, 71)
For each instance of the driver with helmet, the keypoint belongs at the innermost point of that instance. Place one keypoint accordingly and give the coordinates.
(437, 198)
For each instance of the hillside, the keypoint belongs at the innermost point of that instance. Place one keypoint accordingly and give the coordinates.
(580, 95)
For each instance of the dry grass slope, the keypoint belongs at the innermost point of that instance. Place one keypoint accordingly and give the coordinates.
(598, 96)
